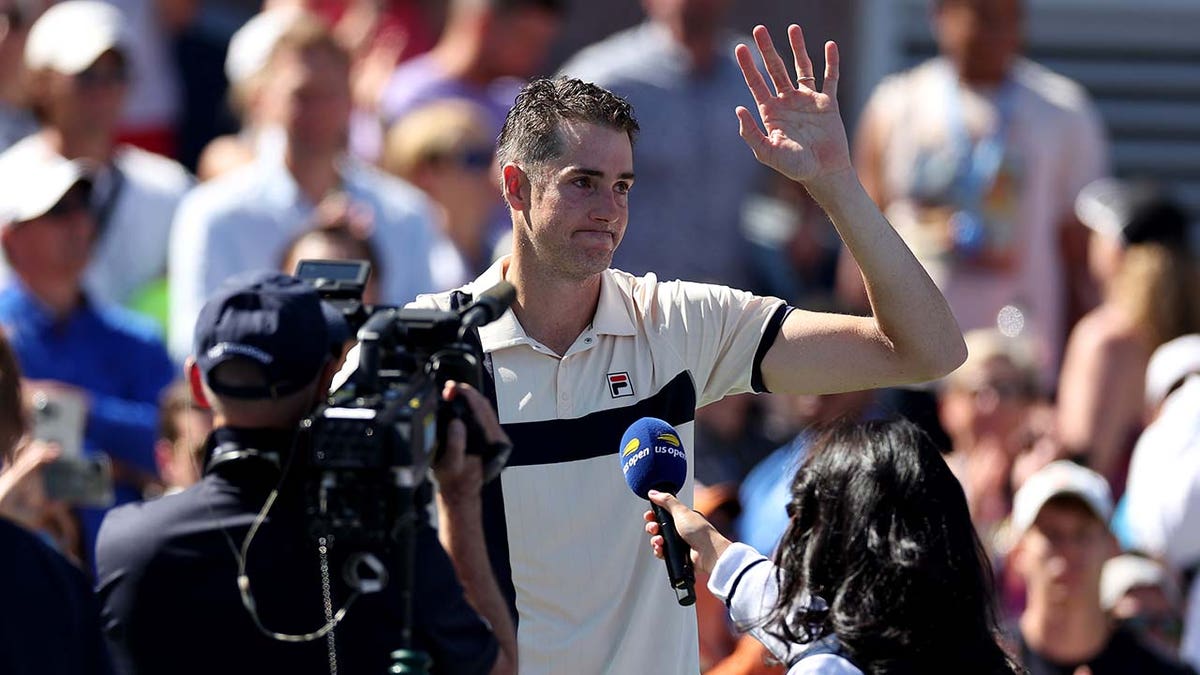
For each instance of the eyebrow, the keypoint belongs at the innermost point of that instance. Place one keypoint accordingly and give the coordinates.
(628, 175)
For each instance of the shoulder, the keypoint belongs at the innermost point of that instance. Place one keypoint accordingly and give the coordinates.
(1055, 90)
(25, 552)
(824, 664)
(152, 171)
(616, 56)
(130, 325)
(395, 195)
(131, 535)
(907, 84)
(1104, 333)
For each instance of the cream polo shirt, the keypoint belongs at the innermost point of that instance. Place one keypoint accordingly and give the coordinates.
(564, 530)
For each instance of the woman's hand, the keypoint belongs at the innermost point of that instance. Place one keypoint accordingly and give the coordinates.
(706, 543)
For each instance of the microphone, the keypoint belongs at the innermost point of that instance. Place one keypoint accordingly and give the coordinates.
(488, 306)
(652, 458)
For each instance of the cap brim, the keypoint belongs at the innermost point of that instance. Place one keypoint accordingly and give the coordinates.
(35, 190)
(1103, 206)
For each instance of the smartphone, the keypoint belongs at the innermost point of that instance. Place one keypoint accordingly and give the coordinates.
(81, 481)
(60, 417)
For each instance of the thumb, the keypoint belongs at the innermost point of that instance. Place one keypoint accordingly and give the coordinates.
(668, 502)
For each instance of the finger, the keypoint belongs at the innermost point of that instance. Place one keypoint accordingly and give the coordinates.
(833, 64)
(456, 443)
(656, 545)
(651, 528)
(754, 79)
(804, 67)
(749, 131)
(648, 516)
(775, 66)
(481, 410)
(668, 501)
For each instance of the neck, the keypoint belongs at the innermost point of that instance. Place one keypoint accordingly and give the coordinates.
(60, 297)
(315, 172)
(1072, 631)
(80, 145)
(573, 301)
(465, 234)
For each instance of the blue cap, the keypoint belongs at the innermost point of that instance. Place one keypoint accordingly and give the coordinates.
(652, 457)
(273, 320)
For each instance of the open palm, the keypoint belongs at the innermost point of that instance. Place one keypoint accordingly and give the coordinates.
(805, 138)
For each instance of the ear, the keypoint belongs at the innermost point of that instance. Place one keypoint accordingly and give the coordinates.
(516, 185)
(192, 371)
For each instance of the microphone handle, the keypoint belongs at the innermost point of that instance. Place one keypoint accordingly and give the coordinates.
(677, 555)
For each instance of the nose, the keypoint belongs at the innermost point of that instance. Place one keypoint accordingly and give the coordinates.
(608, 208)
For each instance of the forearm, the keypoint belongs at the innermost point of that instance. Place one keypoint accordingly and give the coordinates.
(745, 580)
(460, 529)
(910, 312)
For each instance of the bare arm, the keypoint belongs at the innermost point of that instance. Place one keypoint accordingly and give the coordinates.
(460, 526)
(912, 335)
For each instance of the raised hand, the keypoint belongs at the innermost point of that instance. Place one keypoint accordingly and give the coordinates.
(805, 137)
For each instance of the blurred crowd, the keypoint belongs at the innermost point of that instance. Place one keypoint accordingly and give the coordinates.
(136, 175)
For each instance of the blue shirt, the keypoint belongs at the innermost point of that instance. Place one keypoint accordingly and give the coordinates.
(113, 355)
(245, 221)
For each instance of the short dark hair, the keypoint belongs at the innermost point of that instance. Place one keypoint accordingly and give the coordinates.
(13, 423)
(531, 130)
(881, 533)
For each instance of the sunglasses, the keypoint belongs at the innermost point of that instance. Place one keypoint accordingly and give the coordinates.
(473, 159)
(111, 75)
(71, 203)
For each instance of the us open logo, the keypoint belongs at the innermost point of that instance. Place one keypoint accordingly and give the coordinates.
(619, 385)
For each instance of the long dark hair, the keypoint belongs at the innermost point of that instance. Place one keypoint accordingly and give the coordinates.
(880, 551)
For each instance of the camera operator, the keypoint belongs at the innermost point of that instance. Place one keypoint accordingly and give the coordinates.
(169, 569)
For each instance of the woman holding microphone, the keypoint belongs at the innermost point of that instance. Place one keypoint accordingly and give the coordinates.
(879, 570)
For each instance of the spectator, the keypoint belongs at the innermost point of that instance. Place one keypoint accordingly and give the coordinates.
(67, 344)
(50, 624)
(1139, 593)
(78, 58)
(1061, 517)
(446, 149)
(976, 156)
(486, 51)
(984, 407)
(1139, 255)
(341, 233)
(183, 426)
(151, 111)
(1161, 510)
(245, 219)
(677, 69)
(169, 570)
(249, 51)
(16, 120)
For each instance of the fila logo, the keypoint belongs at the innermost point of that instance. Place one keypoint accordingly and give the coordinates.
(619, 385)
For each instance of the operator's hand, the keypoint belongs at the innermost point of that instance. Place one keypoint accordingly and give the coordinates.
(805, 137)
(706, 543)
(459, 475)
(22, 495)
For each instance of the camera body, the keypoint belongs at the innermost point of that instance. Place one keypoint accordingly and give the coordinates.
(371, 445)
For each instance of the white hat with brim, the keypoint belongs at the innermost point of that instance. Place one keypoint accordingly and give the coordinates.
(1170, 365)
(34, 183)
(251, 46)
(1127, 572)
(70, 36)
(1058, 479)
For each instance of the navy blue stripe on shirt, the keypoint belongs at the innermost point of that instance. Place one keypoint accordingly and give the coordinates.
(764, 346)
(598, 434)
(556, 441)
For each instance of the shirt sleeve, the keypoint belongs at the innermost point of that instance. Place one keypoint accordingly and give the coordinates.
(721, 333)
(190, 273)
(125, 427)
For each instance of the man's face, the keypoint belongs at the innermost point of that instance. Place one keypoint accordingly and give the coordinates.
(981, 36)
(1063, 553)
(519, 40)
(578, 204)
(57, 244)
(92, 99)
(689, 18)
(311, 92)
(994, 403)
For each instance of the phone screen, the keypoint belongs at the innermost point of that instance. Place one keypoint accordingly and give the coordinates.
(83, 481)
(60, 418)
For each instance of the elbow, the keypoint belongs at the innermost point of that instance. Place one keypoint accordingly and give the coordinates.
(938, 359)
